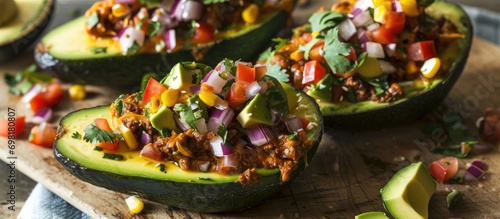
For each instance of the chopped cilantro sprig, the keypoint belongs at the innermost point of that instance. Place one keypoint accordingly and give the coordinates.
(95, 135)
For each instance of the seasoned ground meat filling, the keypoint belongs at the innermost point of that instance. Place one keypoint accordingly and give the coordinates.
(191, 151)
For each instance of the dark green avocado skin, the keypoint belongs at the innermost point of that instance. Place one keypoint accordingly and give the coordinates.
(417, 106)
(18, 46)
(209, 197)
(216, 197)
(127, 71)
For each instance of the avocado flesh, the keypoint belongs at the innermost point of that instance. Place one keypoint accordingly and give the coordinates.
(408, 192)
(28, 24)
(197, 191)
(418, 100)
(66, 52)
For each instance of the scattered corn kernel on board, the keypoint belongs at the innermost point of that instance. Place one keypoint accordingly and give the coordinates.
(343, 180)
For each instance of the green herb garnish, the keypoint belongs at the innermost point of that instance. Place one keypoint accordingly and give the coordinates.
(336, 53)
(76, 135)
(95, 135)
(118, 157)
(97, 50)
(277, 72)
(162, 167)
(324, 20)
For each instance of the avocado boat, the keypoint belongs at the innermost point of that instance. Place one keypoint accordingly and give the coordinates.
(21, 24)
(72, 54)
(371, 77)
(207, 183)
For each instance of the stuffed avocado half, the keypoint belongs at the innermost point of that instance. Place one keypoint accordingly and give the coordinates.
(116, 40)
(372, 64)
(202, 139)
(21, 24)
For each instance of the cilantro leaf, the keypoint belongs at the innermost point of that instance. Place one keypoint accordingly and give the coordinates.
(379, 83)
(97, 50)
(95, 135)
(133, 49)
(277, 72)
(76, 135)
(307, 48)
(117, 157)
(153, 28)
(336, 52)
(222, 132)
(325, 20)
(268, 54)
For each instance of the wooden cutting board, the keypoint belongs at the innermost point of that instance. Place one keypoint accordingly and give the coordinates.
(343, 179)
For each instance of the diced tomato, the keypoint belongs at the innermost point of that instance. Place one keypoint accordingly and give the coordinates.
(16, 126)
(260, 71)
(206, 87)
(382, 35)
(37, 102)
(153, 88)
(395, 21)
(42, 135)
(422, 50)
(244, 74)
(103, 124)
(236, 95)
(203, 33)
(53, 93)
(304, 122)
(313, 72)
(444, 169)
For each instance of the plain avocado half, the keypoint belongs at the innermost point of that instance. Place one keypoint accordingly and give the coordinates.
(197, 191)
(67, 53)
(21, 24)
(417, 102)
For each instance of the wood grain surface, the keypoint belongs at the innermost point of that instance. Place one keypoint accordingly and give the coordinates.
(343, 180)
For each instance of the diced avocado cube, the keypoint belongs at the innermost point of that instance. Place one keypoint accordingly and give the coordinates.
(182, 77)
(323, 89)
(256, 112)
(408, 192)
(370, 68)
(163, 119)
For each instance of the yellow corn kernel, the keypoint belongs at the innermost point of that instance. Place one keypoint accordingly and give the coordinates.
(297, 55)
(120, 10)
(170, 97)
(410, 7)
(380, 13)
(250, 14)
(135, 205)
(430, 67)
(314, 34)
(377, 3)
(154, 105)
(129, 138)
(209, 98)
(77, 92)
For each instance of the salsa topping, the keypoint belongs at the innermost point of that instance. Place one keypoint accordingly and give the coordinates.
(147, 26)
(230, 120)
(363, 51)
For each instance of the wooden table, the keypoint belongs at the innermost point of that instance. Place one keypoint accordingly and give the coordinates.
(343, 180)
